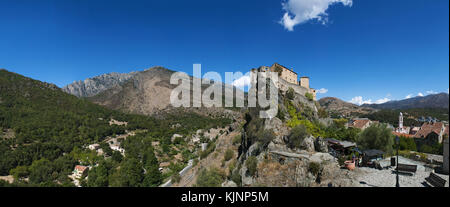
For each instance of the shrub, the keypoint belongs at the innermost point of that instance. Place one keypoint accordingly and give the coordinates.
(322, 113)
(210, 178)
(251, 163)
(280, 114)
(228, 154)
(298, 133)
(314, 168)
(290, 93)
(231, 167)
(236, 178)
(211, 148)
(309, 96)
(237, 139)
(176, 178)
(265, 136)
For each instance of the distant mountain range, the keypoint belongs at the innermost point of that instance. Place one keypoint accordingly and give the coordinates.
(434, 101)
(440, 100)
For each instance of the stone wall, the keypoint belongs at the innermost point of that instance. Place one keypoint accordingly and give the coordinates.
(446, 155)
(289, 76)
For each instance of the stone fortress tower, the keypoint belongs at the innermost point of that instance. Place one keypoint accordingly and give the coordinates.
(289, 79)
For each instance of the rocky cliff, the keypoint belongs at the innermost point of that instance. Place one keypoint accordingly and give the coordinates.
(93, 86)
(266, 157)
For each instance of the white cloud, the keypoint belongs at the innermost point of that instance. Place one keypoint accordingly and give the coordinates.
(359, 100)
(322, 90)
(242, 81)
(300, 11)
(383, 100)
(431, 92)
(420, 94)
(409, 96)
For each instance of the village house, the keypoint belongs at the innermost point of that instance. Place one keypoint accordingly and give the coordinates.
(79, 171)
(414, 130)
(116, 147)
(431, 133)
(360, 123)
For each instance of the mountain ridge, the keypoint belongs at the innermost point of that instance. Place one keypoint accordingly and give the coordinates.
(92, 86)
(440, 100)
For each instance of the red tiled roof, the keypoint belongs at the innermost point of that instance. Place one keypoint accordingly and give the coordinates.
(360, 123)
(427, 128)
(80, 168)
(402, 134)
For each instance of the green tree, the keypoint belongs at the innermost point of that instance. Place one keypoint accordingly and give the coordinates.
(98, 176)
(106, 149)
(131, 172)
(19, 172)
(40, 171)
(116, 156)
(377, 136)
(152, 177)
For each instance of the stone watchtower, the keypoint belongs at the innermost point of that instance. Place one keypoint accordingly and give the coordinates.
(304, 82)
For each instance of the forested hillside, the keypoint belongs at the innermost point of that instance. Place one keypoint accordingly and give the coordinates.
(44, 131)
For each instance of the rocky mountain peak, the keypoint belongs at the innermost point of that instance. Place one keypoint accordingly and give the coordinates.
(93, 86)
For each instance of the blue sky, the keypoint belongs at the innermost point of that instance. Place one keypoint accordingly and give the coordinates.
(376, 49)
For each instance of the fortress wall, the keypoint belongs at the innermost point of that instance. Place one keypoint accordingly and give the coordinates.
(289, 76)
(283, 85)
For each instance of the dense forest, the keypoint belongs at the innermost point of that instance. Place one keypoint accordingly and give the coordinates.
(44, 131)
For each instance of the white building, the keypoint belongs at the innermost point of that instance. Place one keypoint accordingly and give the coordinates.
(402, 129)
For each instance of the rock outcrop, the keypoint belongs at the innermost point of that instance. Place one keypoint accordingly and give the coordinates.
(93, 86)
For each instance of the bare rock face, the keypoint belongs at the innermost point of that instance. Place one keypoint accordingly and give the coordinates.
(229, 183)
(308, 144)
(144, 93)
(321, 145)
(93, 86)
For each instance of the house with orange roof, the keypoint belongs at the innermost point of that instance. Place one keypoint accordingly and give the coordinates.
(431, 132)
(360, 123)
(79, 171)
